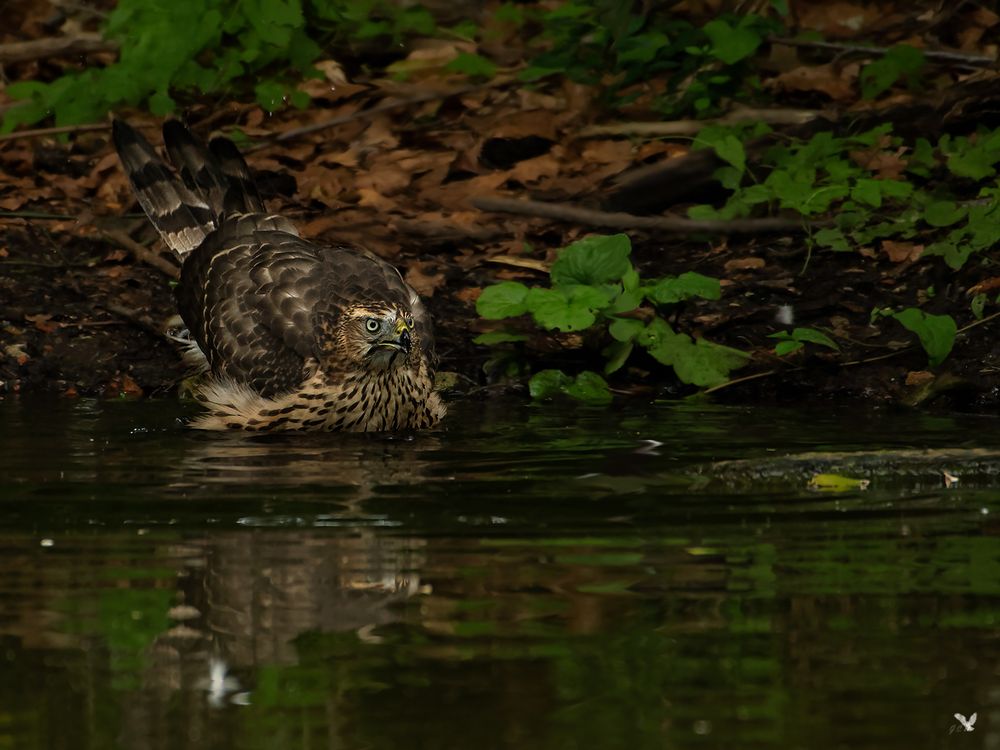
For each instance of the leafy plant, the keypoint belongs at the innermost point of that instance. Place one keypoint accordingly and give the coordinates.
(614, 45)
(829, 174)
(593, 283)
(587, 386)
(936, 332)
(792, 342)
(902, 61)
(171, 47)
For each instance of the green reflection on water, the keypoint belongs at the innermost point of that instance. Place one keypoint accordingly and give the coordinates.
(649, 577)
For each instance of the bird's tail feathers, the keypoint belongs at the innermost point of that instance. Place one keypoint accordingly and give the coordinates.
(186, 206)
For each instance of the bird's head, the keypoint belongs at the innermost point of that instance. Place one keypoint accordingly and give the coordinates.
(380, 337)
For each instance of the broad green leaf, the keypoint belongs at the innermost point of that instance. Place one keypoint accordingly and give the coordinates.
(730, 44)
(730, 150)
(814, 337)
(503, 300)
(943, 213)
(599, 259)
(625, 329)
(901, 61)
(547, 383)
(787, 347)
(936, 332)
(868, 191)
(700, 363)
(498, 337)
(833, 238)
(617, 353)
(589, 387)
(569, 308)
(670, 290)
(472, 65)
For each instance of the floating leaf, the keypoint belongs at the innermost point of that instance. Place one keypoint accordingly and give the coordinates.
(837, 483)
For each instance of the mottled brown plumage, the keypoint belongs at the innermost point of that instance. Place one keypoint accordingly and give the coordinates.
(293, 335)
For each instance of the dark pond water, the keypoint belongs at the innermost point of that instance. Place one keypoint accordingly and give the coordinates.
(650, 576)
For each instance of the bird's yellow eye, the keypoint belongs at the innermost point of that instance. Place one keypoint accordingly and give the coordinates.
(409, 322)
(372, 325)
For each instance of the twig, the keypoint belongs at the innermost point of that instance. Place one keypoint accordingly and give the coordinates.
(690, 127)
(138, 319)
(37, 215)
(962, 58)
(591, 217)
(41, 132)
(979, 322)
(385, 106)
(142, 253)
(60, 46)
(744, 379)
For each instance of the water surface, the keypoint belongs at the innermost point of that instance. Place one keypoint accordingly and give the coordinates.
(647, 576)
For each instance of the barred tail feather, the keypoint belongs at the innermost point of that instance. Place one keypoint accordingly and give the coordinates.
(241, 195)
(182, 216)
(187, 205)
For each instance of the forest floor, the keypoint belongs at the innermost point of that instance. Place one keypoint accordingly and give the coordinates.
(410, 171)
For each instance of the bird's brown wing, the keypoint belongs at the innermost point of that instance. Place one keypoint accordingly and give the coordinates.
(259, 301)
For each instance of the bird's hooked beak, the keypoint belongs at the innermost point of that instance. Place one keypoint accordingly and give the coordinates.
(402, 338)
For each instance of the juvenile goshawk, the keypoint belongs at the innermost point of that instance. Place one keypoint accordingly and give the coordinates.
(293, 335)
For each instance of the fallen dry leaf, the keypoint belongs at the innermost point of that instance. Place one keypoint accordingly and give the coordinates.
(744, 264)
(899, 252)
(837, 82)
(42, 322)
(886, 166)
(424, 277)
(919, 377)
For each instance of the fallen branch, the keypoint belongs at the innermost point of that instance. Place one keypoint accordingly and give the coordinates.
(690, 127)
(142, 253)
(615, 220)
(60, 46)
(386, 106)
(41, 132)
(962, 58)
(137, 319)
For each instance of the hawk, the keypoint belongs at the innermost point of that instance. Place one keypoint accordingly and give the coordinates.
(293, 335)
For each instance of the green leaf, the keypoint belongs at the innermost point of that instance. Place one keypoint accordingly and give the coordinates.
(569, 308)
(587, 386)
(803, 335)
(503, 300)
(547, 383)
(472, 66)
(978, 305)
(833, 238)
(730, 150)
(498, 337)
(700, 363)
(730, 44)
(868, 191)
(787, 347)
(936, 332)
(943, 213)
(625, 329)
(270, 95)
(668, 291)
(598, 259)
(617, 353)
(902, 61)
